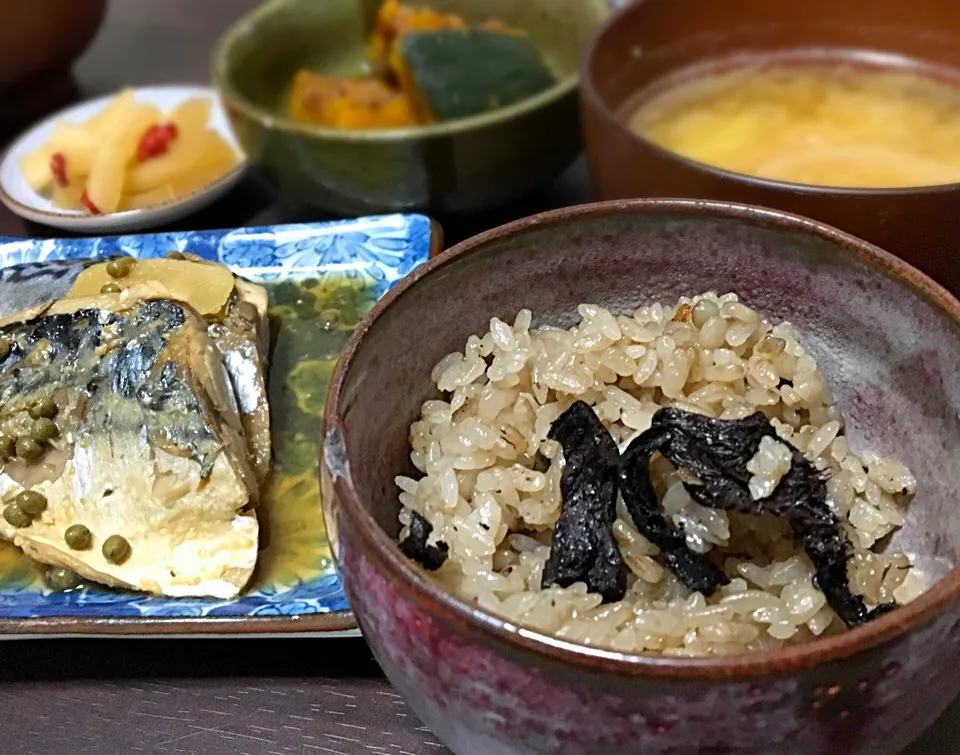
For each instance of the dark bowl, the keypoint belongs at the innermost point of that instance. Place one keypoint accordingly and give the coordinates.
(886, 337)
(652, 39)
(45, 36)
(39, 42)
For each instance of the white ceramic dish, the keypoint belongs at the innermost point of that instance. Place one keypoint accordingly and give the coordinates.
(19, 197)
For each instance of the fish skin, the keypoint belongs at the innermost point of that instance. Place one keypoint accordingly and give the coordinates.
(33, 284)
(151, 446)
(244, 342)
(245, 345)
(30, 289)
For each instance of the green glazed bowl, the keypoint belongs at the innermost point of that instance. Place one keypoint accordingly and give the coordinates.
(456, 167)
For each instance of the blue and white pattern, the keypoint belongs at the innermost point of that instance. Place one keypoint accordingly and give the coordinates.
(381, 249)
(321, 595)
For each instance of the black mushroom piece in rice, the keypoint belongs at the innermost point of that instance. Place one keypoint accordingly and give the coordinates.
(739, 531)
(583, 548)
(718, 452)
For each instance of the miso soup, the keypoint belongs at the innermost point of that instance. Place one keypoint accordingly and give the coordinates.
(823, 123)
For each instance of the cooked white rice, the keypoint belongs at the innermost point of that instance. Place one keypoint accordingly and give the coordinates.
(483, 492)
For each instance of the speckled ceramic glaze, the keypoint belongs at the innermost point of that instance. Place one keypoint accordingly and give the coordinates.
(455, 167)
(887, 339)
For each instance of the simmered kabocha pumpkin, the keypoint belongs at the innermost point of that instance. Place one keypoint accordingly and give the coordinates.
(394, 20)
(340, 103)
(427, 67)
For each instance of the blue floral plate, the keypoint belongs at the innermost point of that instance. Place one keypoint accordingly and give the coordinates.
(296, 590)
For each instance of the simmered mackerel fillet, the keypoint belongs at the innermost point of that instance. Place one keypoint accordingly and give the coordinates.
(236, 311)
(150, 446)
(243, 337)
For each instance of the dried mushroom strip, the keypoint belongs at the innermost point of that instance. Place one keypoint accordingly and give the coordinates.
(694, 569)
(717, 452)
(415, 546)
(583, 547)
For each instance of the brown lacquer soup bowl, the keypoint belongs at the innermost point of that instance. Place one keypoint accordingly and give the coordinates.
(888, 341)
(651, 41)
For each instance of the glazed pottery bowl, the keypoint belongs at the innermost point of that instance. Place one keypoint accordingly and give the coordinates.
(651, 40)
(888, 341)
(455, 167)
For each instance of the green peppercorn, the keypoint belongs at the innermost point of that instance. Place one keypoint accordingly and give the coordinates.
(16, 517)
(120, 268)
(61, 580)
(45, 408)
(4, 349)
(77, 537)
(175, 256)
(28, 449)
(32, 502)
(43, 430)
(110, 288)
(8, 447)
(115, 549)
(331, 316)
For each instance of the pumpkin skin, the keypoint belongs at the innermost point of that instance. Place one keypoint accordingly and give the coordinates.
(458, 73)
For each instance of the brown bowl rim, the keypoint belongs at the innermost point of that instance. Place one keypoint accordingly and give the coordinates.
(590, 96)
(418, 586)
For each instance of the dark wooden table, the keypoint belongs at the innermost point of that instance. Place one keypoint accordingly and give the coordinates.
(212, 697)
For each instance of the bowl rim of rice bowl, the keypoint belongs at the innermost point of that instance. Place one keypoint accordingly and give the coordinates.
(590, 90)
(435, 598)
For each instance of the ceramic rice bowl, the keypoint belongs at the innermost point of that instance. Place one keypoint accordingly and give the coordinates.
(885, 337)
